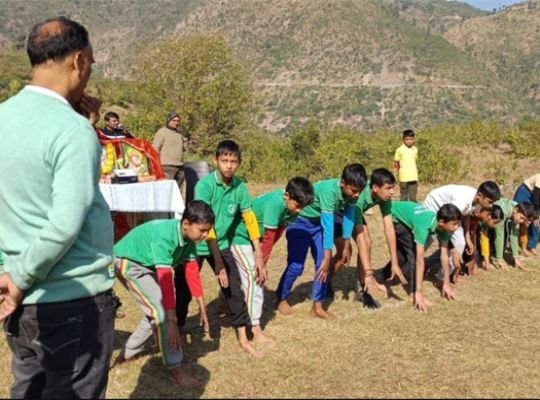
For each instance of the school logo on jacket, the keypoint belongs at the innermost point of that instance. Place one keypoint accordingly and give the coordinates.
(231, 209)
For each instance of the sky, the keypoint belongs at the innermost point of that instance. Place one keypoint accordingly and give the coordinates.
(489, 5)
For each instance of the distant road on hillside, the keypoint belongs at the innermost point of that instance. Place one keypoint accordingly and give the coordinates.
(361, 84)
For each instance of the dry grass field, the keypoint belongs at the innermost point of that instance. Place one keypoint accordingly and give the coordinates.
(485, 345)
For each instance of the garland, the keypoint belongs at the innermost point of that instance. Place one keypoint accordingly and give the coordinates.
(108, 166)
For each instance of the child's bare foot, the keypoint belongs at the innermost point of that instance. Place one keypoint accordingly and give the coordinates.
(259, 336)
(181, 378)
(525, 252)
(318, 311)
(120, 359)
(285, 308)
(246, 347)
(454, 276)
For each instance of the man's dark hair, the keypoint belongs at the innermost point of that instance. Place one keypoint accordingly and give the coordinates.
(449, 212)
(354, 175)
(381, 177)
(496, 212)
(528, 209)
(55, 39)
(110, 114)
(198, 212)
(490, 190)
(228, 147)
(300, 190)
(408, 133)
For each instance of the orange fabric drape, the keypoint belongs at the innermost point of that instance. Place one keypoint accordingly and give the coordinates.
(141, 145)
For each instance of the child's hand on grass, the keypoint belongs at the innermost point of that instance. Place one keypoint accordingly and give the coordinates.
(448, 292)
(372, 286)
(396, 271)
(421, 303)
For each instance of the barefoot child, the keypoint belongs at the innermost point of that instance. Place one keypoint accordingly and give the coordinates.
(274, 211)
(314, 228)
(413, 224)
(228, 197)
(515, 215)
(378, 191)
(529, 191)
(143, 262)
(480, 216)
(466, 199)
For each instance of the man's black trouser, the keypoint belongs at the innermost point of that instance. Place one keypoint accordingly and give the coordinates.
(406, 253)
(62, 350)
(234, 295)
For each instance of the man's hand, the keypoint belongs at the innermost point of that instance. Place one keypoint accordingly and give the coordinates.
(420, 302)
(448, 292)
(89, 107)
(396, 271)
(261, 271)
(10, 296)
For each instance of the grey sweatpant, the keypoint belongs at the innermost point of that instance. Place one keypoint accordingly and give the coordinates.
(143, 286)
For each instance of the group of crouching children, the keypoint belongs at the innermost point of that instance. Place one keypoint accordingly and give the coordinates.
(159, 261)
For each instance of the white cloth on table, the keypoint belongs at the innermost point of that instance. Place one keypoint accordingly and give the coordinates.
(158, 196)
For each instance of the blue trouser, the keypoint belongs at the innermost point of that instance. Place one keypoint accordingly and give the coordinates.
(302, 235)
(524, 194)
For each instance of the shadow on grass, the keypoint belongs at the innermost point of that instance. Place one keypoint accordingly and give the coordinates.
(343, 286)
(120, 338)
(219, 318)
(153, 381)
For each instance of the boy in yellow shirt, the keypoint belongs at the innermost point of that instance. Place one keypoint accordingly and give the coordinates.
(405, 167)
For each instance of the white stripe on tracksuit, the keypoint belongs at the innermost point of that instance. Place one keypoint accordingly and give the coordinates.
(254, 293)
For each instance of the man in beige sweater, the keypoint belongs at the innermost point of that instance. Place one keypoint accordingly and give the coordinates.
(171, 144)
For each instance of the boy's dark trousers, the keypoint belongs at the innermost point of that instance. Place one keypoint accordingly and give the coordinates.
(408, 191)
(406, 254)
(62, 350)
(234, 295)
